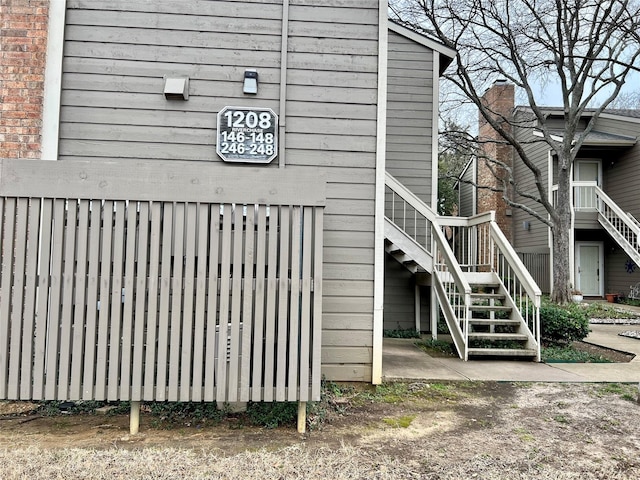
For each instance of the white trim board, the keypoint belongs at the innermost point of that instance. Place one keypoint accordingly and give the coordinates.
(53, 80)
(379, 258)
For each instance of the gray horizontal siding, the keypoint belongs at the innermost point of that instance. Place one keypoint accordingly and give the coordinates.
(409, 149)
(621, 175)
(116, 54)
(467, 192)
(537, 235)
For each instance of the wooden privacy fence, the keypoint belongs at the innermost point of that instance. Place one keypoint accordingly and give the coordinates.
(159, 281)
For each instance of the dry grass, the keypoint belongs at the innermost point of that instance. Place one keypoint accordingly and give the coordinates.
(296, 462)
(289, 463)
(490, 431)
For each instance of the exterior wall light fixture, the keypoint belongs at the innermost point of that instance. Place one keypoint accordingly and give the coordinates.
(250, 85)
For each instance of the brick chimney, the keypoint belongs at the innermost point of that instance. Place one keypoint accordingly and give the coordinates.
(22, 61)
(500, 99)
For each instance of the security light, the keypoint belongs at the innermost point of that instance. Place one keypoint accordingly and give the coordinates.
(250, 81)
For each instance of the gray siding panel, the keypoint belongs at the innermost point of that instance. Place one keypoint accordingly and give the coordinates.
(467, 192)
(537, 235)
(116, 54)
(620, 181)
(409, 150)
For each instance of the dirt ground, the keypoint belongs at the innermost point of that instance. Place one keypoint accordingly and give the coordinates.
(430, 431)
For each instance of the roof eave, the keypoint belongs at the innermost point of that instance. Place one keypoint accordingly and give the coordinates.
(447, 55)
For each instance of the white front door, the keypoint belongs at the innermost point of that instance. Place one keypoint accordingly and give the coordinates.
(589, 268)
(586, 171)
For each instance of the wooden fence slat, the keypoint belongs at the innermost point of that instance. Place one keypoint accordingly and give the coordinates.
(17, 294)
(236, 302)
(31, 279)
(113, 380)
(53, 326)
(68, 281)
(104, 301)
(119, 300)
(176, 303)
(305, 309)
(40, 344)
(200, 306)
(270, 320)
(78, 327)
(93, 285)
(188, 299)
(283, 304)
(317, 306)
(258, 316)
(211, 347)
(152, 307)
(128, 293)
(137, 368)
(165, 289)
(294, 305)
(225, 271)
(247, 304)
(6, 286)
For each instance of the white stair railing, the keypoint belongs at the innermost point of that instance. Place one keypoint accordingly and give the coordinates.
(480, 246)
(524, 295)
(460, 245)
(453, 292)
(409, 213)
(620, 225)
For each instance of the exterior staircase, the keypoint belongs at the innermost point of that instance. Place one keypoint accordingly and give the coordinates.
(494, 329)
(486, 296)
(622, 226)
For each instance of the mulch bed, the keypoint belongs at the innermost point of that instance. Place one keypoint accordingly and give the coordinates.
(608, 353)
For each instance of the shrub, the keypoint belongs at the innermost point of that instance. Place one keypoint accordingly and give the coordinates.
(402, 333)
(563, 324)
(272, 415)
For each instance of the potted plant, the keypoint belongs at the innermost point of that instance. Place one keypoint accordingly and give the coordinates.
(576, 296)
(611, 297)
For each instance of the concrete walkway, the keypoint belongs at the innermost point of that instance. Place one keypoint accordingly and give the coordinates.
(402, 360)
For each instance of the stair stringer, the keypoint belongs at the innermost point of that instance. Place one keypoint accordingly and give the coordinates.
(620, 240)
(409, 247)
(457, 333)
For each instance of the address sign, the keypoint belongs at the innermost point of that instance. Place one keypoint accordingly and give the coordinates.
(247, 135)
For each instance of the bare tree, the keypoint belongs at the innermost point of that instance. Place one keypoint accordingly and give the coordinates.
(587, 47)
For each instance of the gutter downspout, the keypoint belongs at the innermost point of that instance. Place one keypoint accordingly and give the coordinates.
(284, 50)
(381, 145)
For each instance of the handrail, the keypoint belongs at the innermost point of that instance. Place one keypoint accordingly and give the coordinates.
(510, 255)
(622, 226)
(451, 262)
(410, 197)
(454, 302)
(616, 209)
(478, 219)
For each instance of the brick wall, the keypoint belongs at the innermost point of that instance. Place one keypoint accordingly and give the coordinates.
(500, 98)
(23, 43)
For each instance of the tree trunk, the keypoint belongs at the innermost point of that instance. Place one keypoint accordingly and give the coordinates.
(561, 237)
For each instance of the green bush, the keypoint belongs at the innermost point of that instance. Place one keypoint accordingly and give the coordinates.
(402, 333)
(563, 324)
(272, 415)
